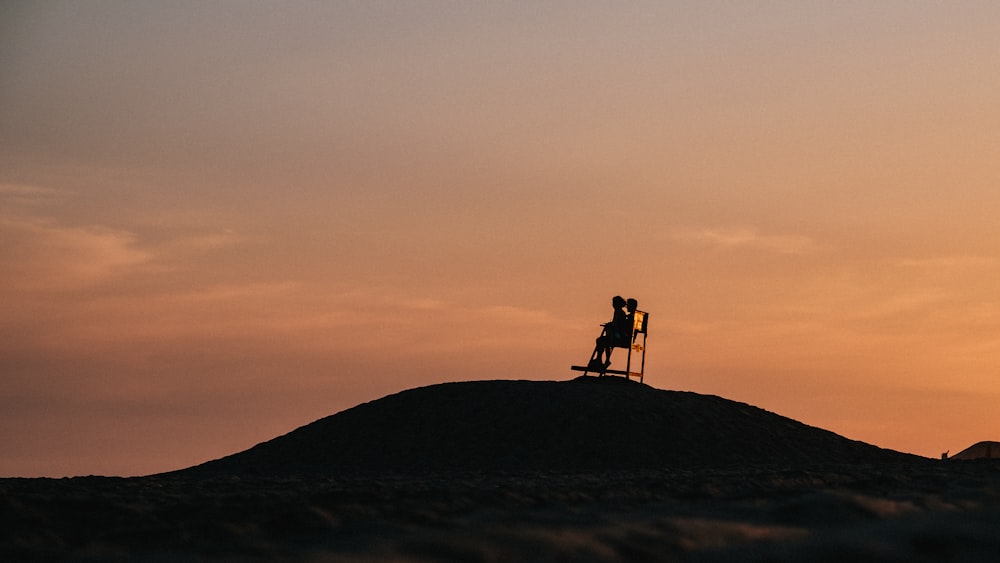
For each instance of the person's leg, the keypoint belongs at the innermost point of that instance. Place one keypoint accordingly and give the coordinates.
(595, 356)
(602, 352)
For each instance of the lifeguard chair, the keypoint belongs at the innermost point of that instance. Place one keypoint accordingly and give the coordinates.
(640, 324)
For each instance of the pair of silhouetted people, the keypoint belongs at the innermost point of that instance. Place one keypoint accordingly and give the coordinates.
(617, 333)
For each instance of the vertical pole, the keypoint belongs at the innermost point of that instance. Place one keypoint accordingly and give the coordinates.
(642, 368)
(628, 364)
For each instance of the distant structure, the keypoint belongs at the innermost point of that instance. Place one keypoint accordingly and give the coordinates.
(615, 335)
(979, 450)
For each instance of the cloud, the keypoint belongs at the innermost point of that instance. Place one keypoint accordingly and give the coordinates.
(517, 315)
(182, 249)
(43, 255)
(24, 195)
(948, 262)
(917, 300)
(747, 238)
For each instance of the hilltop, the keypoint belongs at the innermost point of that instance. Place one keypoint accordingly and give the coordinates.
(587, 424)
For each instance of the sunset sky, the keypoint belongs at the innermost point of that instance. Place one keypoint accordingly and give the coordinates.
(220, 221)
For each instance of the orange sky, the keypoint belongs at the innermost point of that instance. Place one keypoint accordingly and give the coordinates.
(221, 221)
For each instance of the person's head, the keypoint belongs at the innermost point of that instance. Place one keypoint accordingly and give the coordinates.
(632, 305)
(618, 302)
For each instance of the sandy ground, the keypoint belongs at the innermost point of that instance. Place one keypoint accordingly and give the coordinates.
(929, 511)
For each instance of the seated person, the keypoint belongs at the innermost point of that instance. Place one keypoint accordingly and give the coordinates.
(618, 332)
(630, 307)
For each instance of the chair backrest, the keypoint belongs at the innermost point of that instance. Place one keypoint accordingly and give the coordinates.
(640, 323)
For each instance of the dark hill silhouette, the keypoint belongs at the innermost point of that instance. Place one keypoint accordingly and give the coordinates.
(587, 424)
(980, 450)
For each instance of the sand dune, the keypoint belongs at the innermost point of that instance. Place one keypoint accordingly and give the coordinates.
(587, 424)
(980, 450)
(585, 470)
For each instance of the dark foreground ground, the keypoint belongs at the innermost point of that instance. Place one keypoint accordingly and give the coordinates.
(918, 511)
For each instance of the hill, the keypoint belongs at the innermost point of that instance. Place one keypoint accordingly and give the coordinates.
(979, 450)
(587, 424)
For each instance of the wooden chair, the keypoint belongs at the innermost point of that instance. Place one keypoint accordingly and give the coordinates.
(640, 324)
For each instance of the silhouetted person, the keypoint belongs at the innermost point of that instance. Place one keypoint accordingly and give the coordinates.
(630, 306)
(615, 332)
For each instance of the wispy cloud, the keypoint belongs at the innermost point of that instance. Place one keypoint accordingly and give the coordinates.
(21, 194)
(747, 238)
(44, 255)
(917, 300)
(182, 248)
(948, 262)
(38, 253)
